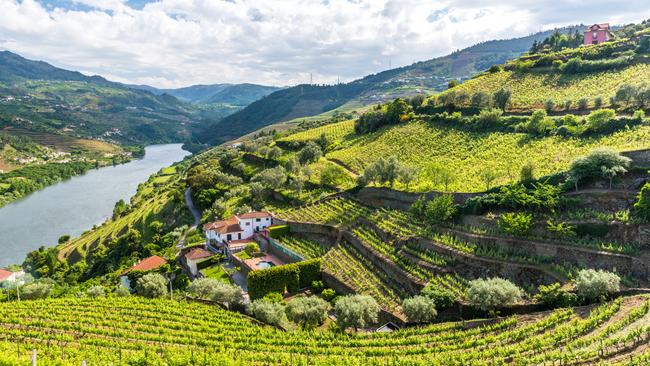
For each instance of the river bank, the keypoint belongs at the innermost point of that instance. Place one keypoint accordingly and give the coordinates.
(77, 204)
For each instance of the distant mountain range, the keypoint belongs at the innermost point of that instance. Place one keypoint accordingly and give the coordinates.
(36, 96)
(429, 76)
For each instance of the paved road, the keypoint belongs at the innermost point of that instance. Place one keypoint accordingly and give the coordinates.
(192, 207)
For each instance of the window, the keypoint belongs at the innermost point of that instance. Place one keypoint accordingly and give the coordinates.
(238, 235)
(595, 35)
(258, 220)
(229, 237)
(248, 224)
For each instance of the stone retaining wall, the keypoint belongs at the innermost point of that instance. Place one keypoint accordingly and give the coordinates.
(386, 197)
(471, 266)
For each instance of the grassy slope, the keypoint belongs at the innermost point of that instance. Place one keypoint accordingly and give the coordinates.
(467, 154)
(531, 88)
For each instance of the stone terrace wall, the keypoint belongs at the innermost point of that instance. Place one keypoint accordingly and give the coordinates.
(563, 253)
(640, 158)
(475, 267)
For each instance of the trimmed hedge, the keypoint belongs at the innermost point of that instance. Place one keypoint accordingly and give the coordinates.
(278, 231)
(289, 277)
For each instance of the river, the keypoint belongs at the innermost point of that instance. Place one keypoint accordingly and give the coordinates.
(75, 205)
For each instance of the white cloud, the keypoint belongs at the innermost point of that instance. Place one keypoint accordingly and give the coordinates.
(181, 42)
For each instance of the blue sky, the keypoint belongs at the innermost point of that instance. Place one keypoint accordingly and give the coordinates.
(173, 43)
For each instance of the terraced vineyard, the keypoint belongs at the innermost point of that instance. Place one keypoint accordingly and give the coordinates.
(531, 88)
(427, 147)
(334, 131)
(120, 331)
(306, 248)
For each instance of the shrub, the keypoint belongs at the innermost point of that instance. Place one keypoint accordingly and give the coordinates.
(539, 123)
(317, 286)
(151, 285)
(480, 100)
(308, 312)
(278, 231)
(598, 102)
(561, 230)
(594, 284)
(289, 277)
(549, 105)
(438, 210)
(495, 68)
(488, 118)
(591, 165)
(388, 170)
(251, 248)
(203, 288)
(356, 311)
(554, 296)
(36, 290)
(442, 297)
(527, 173)
(310, 153)
(583, 103)
(333, 175)
(452, 83)
(639, 115)
(122, 291)
(328, 294)
(227, 294)
(487, 294)
(516, 223)
(601, 120)
(419, 309)
(274, 297)
(502, 98)
(268, 312)
(642, 204)
(96, 291)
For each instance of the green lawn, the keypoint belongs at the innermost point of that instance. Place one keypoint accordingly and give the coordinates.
(217, 272)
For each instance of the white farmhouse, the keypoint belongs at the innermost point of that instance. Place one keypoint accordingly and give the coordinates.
(236, 229)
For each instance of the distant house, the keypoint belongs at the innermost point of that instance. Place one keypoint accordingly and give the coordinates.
(194, 256)
(237, 229)
(598, 33)
(146, 264)
(7, 276)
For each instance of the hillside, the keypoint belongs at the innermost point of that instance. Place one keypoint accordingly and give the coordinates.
(176, 332)
(421, 77)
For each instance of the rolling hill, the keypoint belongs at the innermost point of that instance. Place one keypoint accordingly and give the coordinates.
(421, 77)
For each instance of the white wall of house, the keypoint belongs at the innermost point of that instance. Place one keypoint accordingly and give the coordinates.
(124, 281)
(251, 226)
(191, 265)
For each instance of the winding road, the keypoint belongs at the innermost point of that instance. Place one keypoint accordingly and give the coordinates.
(192, 207)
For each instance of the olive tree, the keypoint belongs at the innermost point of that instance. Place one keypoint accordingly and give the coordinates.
(36, 290)
(594, 284)
(96, 291)
(502, 98)
(151, 285)
(269, 312)
(122, 291)
(308, 312)
(487, 294)
(356, 311)
(310, 153)
(227, 294)
(203, 288)
(599, 162)
(419, 309)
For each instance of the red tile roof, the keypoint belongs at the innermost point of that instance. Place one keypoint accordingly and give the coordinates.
(147, 264)
(198, 253)
(4, 274)
(254, 215)
(229, 225)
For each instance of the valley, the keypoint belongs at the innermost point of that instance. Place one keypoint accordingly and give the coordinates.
(497, 215)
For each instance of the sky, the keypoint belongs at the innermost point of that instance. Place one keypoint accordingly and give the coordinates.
(175, 43)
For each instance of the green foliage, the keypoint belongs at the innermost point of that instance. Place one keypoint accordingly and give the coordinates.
(317, 286)
(594, 284)
(397, 111)
(577, 65)
(151, 285)
(63, 239)
(488, 118)
(539, 123)
(561, 230)
(307, 311)
(96, 291)
(273, 178)
(274, 297)
(122, 291)
(443, 298)
(553, 296)
(356, 311)
(501, 98)
(592, 165)
(438, 210)
(419, 309)
(36, 290)
(558, 41)
(227, 294)
(278, 231)
(389, 171)
(251, 248)
(642, 204)
(328, 294)
(527, 173)
(487, 294)
(601, 120)
(333, 175)
(203, 288)
(288, 277)
(516, 223)
(268, 312)
(310, 153)
(120, 208)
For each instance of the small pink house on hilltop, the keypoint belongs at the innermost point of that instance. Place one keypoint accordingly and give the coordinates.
(598, 33)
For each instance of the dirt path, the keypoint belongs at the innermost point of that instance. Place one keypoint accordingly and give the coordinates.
(196, 213)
